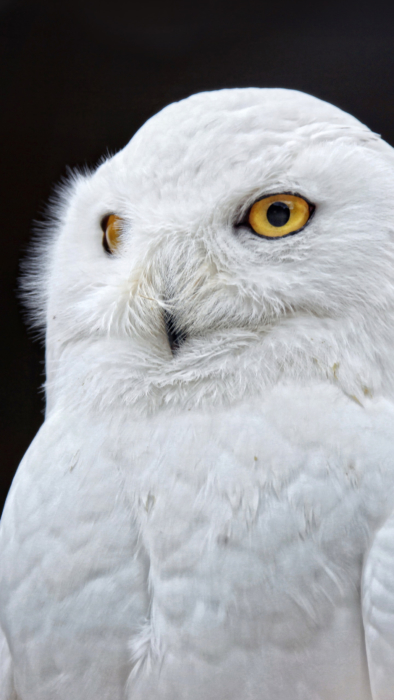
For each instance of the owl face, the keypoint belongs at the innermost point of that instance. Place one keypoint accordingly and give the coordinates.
(241, 234)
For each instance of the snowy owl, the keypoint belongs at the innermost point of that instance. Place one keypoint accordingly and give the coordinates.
(208, 509)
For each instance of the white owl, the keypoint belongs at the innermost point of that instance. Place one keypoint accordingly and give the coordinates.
(207, 512)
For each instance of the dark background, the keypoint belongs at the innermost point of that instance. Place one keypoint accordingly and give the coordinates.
(79, 78)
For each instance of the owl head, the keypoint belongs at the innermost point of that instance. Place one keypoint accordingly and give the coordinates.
(242, 238)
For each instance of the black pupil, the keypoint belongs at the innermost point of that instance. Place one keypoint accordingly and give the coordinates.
(278, 214)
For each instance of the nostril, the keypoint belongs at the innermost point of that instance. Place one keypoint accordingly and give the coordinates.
(176, 336)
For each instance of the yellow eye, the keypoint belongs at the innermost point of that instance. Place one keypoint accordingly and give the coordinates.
(112, 228)
(279, 215)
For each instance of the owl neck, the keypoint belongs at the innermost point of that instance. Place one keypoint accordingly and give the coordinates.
(219, 369)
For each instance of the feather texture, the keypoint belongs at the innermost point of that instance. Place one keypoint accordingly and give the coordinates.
(214, 481)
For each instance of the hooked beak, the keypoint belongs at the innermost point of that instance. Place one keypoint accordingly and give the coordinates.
(176, 336)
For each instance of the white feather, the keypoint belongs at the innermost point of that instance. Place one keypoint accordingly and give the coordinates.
(195, 525)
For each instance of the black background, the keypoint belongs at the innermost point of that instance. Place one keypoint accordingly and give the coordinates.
(79, 78)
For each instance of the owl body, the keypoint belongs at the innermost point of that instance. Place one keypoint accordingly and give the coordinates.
(207, 510)
(241, 573)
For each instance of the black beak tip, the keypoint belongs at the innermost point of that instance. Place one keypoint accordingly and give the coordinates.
(176, 336)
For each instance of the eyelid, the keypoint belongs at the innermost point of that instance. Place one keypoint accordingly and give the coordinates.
(104, 221)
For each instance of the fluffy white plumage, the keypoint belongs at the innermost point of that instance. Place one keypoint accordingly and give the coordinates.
(216, 523)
